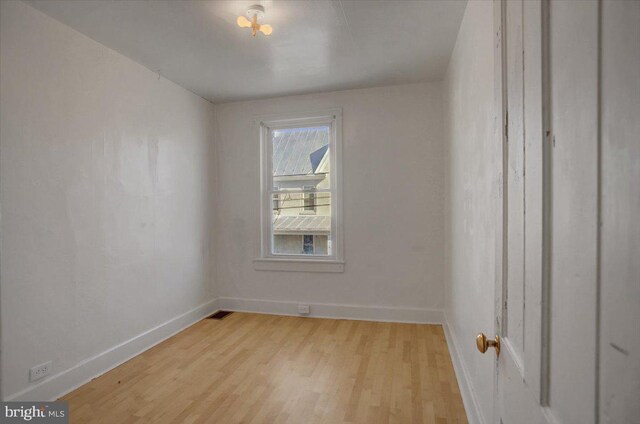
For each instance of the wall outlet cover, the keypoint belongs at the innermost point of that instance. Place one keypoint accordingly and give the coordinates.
(39, 371)
(303, 309)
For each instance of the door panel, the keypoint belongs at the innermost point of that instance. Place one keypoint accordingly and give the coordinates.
(568, 297)
(519, 364)
(620, 232)
(547, 368)
(513, 320)
(573, 67)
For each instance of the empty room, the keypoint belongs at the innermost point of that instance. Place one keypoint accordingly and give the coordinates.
(320, 211)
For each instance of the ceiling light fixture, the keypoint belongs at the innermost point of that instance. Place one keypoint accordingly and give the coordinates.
(254, 13)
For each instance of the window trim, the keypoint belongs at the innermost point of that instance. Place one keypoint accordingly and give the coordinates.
(267, 260)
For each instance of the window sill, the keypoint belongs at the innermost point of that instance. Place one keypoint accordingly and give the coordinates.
(297, 265)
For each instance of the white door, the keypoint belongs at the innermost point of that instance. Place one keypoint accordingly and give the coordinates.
(569, 83)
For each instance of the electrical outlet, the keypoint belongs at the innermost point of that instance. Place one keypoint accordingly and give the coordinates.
(39, 371)
(303, 309)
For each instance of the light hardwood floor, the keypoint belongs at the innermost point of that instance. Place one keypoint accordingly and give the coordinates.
(252, 368)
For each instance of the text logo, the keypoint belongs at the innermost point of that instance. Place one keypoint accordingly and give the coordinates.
(35, 412)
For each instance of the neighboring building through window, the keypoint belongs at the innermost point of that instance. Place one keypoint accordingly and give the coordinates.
(300, 188)
(301, 179)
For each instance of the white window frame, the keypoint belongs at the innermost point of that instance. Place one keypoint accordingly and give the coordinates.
(267, 260)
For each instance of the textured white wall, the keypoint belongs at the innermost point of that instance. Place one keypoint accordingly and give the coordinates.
(474, 165)
(393, 169)
(105, 194)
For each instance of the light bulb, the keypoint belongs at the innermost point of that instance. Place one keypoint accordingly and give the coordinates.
(266, 29)
(243, 22)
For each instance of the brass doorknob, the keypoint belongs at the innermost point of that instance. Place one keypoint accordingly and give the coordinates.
(483, 343)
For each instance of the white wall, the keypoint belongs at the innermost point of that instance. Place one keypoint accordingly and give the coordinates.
(105, 194)
(474, 165)
(393, 168)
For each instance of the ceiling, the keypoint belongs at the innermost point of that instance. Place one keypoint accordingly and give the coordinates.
(316, 45)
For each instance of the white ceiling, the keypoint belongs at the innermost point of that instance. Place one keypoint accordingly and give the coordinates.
(316, 45)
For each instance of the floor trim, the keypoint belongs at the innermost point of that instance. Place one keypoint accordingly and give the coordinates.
(336, 311)
(70, 379)
(469, 398)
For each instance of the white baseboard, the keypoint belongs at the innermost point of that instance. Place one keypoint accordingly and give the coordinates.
(68, 380)
(469, 398)
(339, 311)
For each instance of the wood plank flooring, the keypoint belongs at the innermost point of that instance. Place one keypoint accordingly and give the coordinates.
(252, 368)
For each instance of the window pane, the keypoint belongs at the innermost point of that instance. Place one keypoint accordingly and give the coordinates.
(300, 227)
(300, 157)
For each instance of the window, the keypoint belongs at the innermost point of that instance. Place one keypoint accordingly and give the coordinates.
(309, 199)
(301, 188)
(307, 244)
